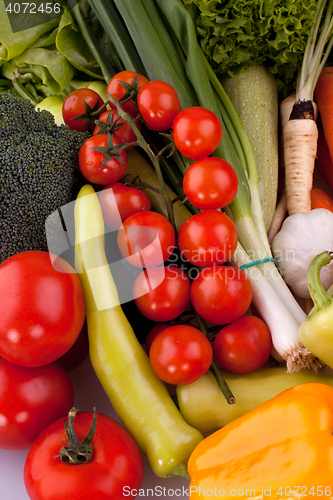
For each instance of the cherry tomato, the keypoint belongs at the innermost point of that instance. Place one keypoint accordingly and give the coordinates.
(78, 353)
(30, 400)
(207, 238)
(116, 463)
(41, 308)
(90, 161)
(158, 104)
(124, 133)
(180, 354)
(221, 294)
(119, 201)
(210, 183)
(244, 345)
(197, 132)
(146, 239)
(74, 106)
(162, 293)
(152, 334)
(117, 89)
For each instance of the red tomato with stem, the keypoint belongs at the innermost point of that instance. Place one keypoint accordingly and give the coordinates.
(124, 132)
(115, 465)
(146, 239)
(158, 104)
(119, 201)
(197, 132)
(30, 400)
(152, 334)
(207, 238)
(162, 293)
(41, 308)
(210, 183)
(73, 106)
(221, 294)
(180, 354)
(91, 161)
(244, 345)
(117, 89)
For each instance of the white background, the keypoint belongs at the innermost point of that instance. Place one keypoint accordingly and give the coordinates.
(88, 394)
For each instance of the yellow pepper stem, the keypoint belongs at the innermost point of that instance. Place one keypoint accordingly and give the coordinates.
(318, 294)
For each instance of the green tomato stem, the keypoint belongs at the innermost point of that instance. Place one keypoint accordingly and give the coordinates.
(153, 158)
(216, 372)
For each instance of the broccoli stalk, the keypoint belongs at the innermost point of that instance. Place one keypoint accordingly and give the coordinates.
(39, 173)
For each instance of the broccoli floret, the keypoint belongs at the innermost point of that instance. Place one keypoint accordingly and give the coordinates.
(39, 173)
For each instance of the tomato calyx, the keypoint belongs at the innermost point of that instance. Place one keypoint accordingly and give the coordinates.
(111, 151)
(109, 127)
(89, 114)
(132, 90)
(77, 452)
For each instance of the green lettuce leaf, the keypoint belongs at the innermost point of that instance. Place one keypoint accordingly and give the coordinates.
(235, 34)
(14, 44)
(70, 43)
(50, 65)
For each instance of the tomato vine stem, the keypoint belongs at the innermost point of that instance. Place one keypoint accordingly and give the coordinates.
(216, 372)
(153, 158)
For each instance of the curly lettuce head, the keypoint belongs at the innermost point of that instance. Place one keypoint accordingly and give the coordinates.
(235, 34)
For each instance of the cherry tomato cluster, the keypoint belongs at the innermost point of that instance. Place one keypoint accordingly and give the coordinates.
(185, 270)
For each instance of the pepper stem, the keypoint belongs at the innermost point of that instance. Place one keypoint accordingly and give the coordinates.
(77, 452)
(181, 470)
(318, 294)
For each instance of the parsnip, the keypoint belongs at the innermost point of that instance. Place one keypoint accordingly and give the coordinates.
(300, 149)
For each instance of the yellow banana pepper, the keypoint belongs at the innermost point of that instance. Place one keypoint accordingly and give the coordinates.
(139, 397)
(282, 449)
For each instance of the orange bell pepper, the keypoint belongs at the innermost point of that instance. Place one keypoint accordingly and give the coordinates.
(282, 449)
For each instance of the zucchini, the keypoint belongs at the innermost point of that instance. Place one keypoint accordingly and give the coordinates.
(254, 95)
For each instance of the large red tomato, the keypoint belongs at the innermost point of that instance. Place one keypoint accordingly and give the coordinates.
(244, 345)
(207, 238)
(30, 400)
(146, 239)
(197, 132)
(162, 293)
(180, 354)
(221, 294)
(41, 308)
(115, 464)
